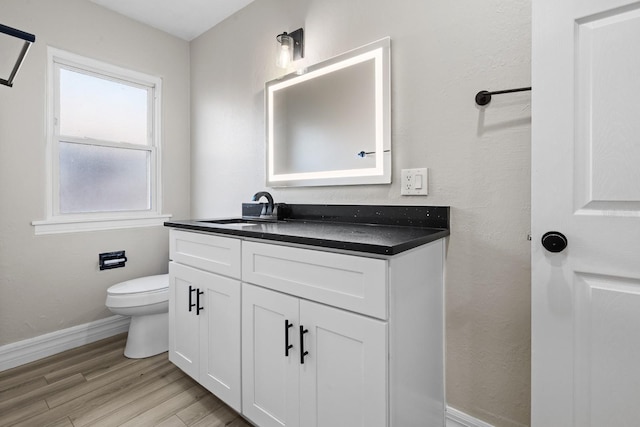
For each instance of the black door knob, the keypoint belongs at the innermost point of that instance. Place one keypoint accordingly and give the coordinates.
(554, 241)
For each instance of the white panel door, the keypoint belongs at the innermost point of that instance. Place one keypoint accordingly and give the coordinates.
(183, 332)
(343, 380)
(220, 337)
(270, 370)
(586, 185)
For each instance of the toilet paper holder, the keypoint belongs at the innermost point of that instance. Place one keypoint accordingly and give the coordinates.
(109, 260)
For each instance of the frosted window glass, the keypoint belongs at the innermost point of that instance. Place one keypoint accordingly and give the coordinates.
(103, 179)
(97, 108)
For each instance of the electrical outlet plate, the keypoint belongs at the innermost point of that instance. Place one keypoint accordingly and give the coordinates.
(414, 182)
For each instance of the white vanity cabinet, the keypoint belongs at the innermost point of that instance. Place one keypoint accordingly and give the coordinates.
(328, 338)
(204, 311)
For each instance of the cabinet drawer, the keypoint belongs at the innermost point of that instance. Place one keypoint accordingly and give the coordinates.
(351, 282)
(205, 251)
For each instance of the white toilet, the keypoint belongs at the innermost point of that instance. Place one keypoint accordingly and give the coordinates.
(146, 300)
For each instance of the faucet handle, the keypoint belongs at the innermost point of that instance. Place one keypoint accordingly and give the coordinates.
(281, 211)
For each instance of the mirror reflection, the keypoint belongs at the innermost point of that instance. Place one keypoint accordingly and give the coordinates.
(331, 125)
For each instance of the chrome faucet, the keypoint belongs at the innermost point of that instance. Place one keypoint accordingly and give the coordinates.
(268, 208)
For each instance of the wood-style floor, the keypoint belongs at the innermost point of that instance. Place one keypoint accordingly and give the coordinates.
(95, 385)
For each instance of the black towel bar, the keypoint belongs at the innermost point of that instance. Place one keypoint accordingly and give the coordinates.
(484, 97)
(27, 40)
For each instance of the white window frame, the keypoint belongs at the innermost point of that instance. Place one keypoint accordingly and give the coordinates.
(57, 222)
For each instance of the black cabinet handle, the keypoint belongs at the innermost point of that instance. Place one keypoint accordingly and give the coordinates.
(198, 308)
(302, 352)
(191, 304)
(287, 346)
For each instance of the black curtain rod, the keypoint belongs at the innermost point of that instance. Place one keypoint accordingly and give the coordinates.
(484, 97)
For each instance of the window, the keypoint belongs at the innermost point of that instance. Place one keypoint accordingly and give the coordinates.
(103, 146)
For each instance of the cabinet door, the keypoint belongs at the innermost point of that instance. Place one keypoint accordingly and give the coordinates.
(269, 377)
(220, 337)
(183, 324)
(343, 381)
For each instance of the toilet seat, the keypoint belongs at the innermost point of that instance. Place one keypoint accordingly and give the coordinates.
(139, 292)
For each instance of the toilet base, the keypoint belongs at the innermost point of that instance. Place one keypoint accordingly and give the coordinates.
(148, 336)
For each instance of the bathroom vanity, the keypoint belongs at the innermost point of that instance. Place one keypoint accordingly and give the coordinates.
(331, 317)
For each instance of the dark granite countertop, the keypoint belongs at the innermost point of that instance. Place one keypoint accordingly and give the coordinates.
(382, 230)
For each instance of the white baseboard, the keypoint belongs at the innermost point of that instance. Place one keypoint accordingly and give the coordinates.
(456, 418)
(21, 352)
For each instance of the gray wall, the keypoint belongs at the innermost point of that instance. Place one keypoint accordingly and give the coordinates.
(479, 159)
(52, 282)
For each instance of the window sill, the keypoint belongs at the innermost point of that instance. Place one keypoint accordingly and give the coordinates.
(75, 225)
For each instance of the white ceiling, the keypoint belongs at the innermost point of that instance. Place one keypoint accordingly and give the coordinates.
(186, 19)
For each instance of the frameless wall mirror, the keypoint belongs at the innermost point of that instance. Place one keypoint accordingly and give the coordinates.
(331, 124)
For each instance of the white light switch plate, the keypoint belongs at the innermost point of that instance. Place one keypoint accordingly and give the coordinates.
(415, 182)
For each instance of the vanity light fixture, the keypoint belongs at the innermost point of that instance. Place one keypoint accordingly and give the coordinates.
(290, 47)
(13, 43)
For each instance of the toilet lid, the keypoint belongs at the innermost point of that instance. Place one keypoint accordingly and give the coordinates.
(141, 285)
